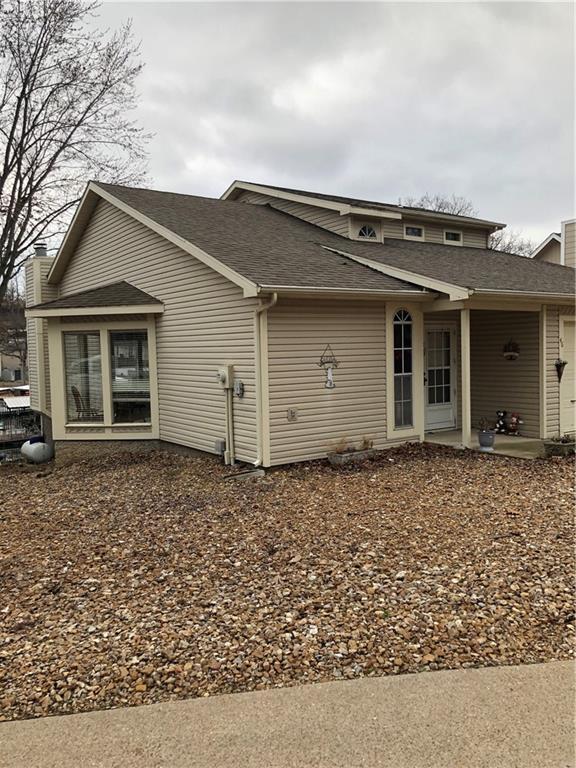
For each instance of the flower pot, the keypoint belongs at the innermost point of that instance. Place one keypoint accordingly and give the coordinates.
(350, 457)
(486, 440)
(556, 448)
(511, 355)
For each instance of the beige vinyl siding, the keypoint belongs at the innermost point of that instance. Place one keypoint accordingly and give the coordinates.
(47, 293)
(551, 253)
(433, 233)
(32, 337)
(570, 244)
(298, 332)
(206, 323)
(321, 217)
(475, 238)
(553, 352)
(497, 383)
(37, 291)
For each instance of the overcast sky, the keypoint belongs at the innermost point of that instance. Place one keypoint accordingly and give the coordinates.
(374, 100)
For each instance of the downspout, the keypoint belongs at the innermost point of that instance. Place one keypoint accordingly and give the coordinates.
(231, 457)
(263, 307)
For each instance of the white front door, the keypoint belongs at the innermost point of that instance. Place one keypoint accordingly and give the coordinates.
(440, 376)
(568, 381)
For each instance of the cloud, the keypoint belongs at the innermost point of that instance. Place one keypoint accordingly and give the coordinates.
(378, 100)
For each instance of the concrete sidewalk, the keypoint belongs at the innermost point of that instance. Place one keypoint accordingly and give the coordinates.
(495, 718)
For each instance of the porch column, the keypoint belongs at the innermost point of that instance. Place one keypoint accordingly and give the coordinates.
(465, 384)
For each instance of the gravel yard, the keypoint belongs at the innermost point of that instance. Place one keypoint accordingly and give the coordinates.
(132, 577)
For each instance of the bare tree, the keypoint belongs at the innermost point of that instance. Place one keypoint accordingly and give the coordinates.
(13, 339)
(512, 241)
(66, 91)
(454, 204)
(508, 240)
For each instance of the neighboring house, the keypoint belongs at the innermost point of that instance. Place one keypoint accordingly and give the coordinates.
(272, 324)
(11, 368)
(559, 247)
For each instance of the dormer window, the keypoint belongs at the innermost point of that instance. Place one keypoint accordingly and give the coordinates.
(413, 233)
(367, 231)
(452, 237)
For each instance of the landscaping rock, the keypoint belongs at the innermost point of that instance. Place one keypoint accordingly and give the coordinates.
(133, 577)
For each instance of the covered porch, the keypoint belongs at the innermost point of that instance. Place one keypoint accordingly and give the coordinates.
(480, 359)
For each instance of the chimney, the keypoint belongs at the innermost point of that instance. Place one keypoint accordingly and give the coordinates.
(40, 250)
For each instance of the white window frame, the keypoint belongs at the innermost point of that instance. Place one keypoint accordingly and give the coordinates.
(363, 224)
(416, 431)
(413, 237)
(454, 242)
(106, 429)
(355, 224)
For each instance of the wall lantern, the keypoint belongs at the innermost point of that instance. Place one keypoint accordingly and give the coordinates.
(328, 362)
(560, 364)
(511, 350)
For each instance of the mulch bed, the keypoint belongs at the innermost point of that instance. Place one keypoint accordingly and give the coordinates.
(134, 577)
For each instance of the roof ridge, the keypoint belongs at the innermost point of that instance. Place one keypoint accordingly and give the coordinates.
(159, 191)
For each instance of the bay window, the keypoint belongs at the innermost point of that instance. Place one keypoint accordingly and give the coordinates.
(83, 369)
(107, 377)
(130, 374)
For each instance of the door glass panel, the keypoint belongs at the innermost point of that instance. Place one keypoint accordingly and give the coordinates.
(438, 372)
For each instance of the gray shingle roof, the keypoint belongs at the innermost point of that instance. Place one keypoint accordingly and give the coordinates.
(272, 248)
(120, 294)
(262, 244)
(475, 268)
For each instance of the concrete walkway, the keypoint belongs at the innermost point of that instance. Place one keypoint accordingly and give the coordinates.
(504, 717)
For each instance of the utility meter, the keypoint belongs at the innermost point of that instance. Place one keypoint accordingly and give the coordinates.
(225, 376)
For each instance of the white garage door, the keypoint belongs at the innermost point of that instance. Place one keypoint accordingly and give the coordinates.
(568, 383)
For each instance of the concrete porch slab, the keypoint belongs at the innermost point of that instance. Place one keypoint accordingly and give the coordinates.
(504, 445)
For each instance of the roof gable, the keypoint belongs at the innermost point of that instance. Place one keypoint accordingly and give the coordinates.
(554, 237)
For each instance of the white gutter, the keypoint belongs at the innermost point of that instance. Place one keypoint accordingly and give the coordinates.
(261, 373)
(381, 294)
(526, 294)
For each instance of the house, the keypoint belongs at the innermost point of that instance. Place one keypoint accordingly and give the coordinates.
(272, 323)
(559, 247)
(11, 368)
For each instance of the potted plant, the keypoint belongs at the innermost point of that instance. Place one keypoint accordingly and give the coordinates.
(344, 453)
(561, 445)
(486, 436)
(511, 350)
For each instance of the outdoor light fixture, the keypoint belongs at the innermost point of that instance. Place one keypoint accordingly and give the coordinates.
(511, 350)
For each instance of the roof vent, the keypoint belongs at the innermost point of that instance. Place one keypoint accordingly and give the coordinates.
(40, 250)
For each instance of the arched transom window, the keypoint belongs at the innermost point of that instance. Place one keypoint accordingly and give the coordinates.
(366, 230)
(403, 395)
